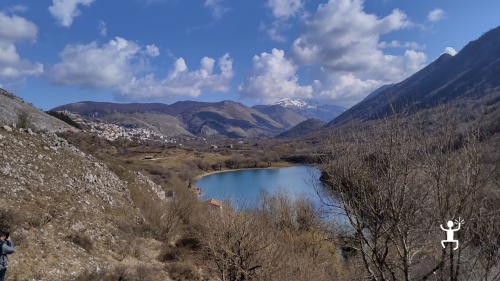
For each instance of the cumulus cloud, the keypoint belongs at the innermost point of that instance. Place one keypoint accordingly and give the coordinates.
(274, 77)
(217, 8)
(116, 65)
(103, 28)
(13, 30)
(152, 50)
(345, 88)
(435, 15)
(412, 45)
(12, 66)
(65, 11)
(96, 66)
(276, 30)
(17, 9)
(282, 11)
(450, 51)
(342, 36)
(285, 8)
(180, 81)
(344, 41)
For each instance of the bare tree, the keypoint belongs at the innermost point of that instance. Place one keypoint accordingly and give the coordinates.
(236, 245)
(396, 184)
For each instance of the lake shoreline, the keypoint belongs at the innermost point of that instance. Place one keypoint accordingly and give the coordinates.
(283, 165)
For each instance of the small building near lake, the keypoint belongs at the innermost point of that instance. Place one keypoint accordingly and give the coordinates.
(214, 204)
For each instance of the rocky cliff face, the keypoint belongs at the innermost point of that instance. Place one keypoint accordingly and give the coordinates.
(70, 213)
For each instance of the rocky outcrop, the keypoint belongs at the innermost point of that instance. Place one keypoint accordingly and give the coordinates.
(14, 112)
(71, 213)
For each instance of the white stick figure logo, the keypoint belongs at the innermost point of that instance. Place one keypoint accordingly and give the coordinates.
(450, 232)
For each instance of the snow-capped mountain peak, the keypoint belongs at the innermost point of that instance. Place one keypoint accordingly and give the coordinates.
(294, 103)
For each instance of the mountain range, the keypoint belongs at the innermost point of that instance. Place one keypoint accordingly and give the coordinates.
(227, 118)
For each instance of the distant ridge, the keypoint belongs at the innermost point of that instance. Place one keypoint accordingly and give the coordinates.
(225, 118)
(301, 130)
(285, 116)
(305, 109)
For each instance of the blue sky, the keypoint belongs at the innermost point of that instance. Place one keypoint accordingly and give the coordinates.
(54, 52)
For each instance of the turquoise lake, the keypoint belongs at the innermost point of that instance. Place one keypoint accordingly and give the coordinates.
(243, 188)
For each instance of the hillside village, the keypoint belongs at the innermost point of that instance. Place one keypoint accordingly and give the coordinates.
(113, 132)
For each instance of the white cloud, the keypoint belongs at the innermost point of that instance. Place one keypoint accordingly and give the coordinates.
(103, 28)
(96, 66)
(391, 44)
(273, 78)
(217, 8)
(17, 9)
(450, 51)
(342, 36)
(285, 8)
(282, 11)
(65, 11)
(14, 29)
(414, 46)
(8, 53)
(116, 65)
(435, 15)
(396, 44)
(152, 50)
(276, 30)
(411, 62)
(344, 41)
(180, 81)
(12, 66)
(345, 88)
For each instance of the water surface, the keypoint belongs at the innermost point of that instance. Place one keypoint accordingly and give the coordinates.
(243, 188)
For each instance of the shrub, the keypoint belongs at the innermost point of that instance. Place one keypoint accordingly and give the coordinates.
(6, 220)
(189, 242)
(183, 272)
(155, 171)
(217, 166)
(23, 120)
(81, 240)
(202, 165)
(169, 253)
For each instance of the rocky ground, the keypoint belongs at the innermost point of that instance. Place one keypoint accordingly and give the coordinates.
(70, 215)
